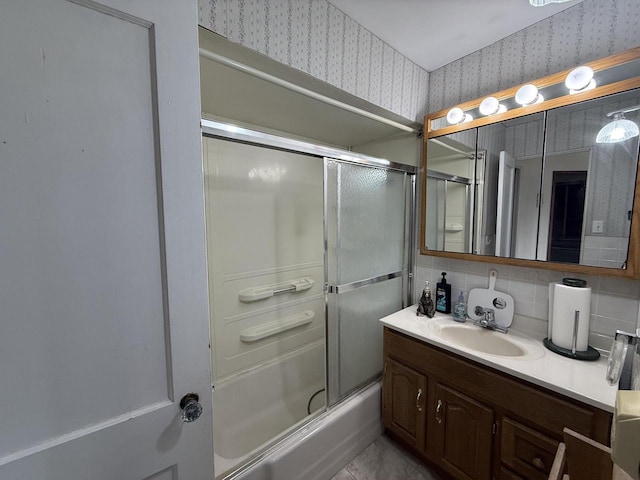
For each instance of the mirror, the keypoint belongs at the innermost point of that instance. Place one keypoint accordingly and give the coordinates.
(536, 189)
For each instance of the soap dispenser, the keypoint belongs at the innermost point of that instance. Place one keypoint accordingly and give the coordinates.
(426, 305)
(460, 309)
(443, 295)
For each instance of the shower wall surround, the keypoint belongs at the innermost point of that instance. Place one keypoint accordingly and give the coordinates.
(317, 38)
(587, 31)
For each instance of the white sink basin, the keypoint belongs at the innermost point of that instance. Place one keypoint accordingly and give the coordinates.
(486, 341)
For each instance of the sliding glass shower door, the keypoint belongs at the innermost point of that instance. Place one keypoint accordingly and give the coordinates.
(368, 262)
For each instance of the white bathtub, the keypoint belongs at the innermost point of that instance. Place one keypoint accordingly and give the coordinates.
(324, 446)
(251, 409)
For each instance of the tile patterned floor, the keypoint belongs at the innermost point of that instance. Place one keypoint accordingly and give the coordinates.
(385, 460)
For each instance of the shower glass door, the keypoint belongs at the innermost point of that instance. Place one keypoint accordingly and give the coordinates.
(367, 230)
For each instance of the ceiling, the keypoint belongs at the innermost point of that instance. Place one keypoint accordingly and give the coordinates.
(433, 33)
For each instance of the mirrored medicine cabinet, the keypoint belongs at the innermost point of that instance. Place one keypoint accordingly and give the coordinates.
(529, 176)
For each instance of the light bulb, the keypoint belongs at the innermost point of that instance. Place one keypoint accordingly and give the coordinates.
(528, 95)
(580, 79)
(456, 115)
(491, 106)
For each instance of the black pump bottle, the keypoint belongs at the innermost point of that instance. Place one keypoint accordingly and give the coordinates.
(443, 295)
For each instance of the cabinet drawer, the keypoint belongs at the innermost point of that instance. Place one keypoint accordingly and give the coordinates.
(525, 451)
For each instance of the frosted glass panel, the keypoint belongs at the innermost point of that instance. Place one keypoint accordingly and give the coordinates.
(361, 332)
(366, 221)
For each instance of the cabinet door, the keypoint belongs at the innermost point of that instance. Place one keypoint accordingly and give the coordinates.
(404, 404)
(462, 434)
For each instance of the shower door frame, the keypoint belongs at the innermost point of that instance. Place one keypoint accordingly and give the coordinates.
(227, 131)
(333, 395)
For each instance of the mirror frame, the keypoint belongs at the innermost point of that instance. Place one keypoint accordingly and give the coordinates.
(633, 254)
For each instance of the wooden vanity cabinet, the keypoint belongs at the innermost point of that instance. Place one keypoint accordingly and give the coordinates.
(405, 403)
(473, 422)
(462, 434)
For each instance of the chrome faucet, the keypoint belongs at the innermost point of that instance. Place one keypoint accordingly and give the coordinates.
(488, 319)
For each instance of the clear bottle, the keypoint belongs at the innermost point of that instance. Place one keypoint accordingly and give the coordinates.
(460, 309)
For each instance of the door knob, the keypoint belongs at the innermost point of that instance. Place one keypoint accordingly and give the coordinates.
(191, 408)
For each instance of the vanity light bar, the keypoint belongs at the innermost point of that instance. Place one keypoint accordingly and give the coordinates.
(612, 74)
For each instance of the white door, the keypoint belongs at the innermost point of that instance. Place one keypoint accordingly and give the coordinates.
(504, 215)
(103, 298)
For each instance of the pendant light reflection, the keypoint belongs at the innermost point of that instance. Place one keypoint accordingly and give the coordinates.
(456, 116)
(619, 129)
(491, 106)
(528, 95)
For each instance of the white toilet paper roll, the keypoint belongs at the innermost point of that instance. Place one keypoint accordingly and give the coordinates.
(564, 301)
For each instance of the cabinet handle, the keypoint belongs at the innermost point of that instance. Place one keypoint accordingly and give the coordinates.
(538, 463)
(438, 408)
(418, 397)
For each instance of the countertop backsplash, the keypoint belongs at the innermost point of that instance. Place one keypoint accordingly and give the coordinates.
(614, 301)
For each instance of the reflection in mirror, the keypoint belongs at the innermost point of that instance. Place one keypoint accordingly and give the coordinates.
(511, 184)
(450, 192)
(515, 154)
(536, 187)
(587, 187)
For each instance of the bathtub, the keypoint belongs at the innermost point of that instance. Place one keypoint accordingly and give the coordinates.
(266, 402)
(322, 447)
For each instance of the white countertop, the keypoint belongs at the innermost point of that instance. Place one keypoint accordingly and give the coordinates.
(580, 380)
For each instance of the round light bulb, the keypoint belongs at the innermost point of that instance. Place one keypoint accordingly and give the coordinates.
(528, 95)
(491, 106)
(579, 78)
(455, 116)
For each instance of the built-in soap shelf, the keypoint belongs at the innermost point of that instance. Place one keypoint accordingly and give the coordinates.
(254, 294)
(454, 227)
(253, 334)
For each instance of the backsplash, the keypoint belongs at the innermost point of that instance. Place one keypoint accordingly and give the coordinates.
(614, 301)
(317, 38)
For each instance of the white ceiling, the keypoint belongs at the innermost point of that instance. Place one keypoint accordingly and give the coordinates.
(433, 33)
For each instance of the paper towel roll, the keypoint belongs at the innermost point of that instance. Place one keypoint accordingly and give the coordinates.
(564, 301)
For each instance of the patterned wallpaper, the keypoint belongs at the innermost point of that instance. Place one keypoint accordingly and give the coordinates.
(317, 38)
(587, 31)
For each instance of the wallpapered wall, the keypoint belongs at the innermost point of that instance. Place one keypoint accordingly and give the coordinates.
(587, 31)
(317, 38)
